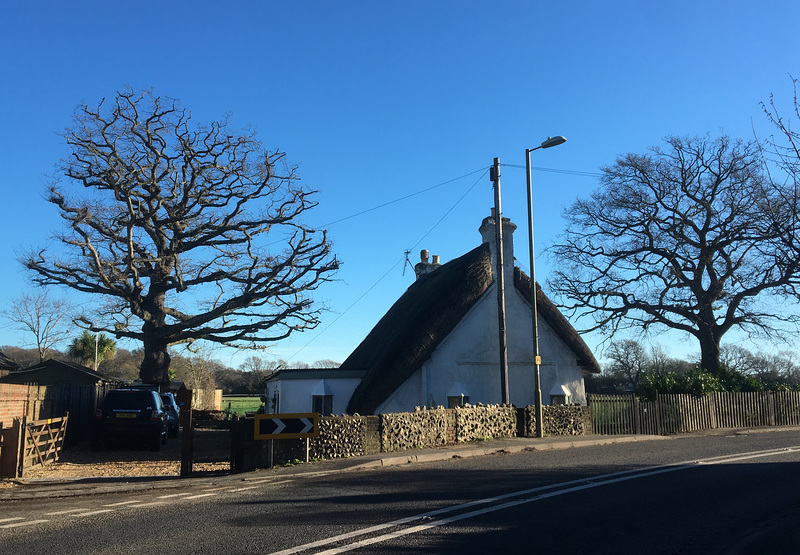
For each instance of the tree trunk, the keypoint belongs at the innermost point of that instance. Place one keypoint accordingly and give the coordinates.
(709, 352)
(155, 365)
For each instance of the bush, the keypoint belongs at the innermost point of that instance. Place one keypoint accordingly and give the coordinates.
(700, 382)
(696, 382)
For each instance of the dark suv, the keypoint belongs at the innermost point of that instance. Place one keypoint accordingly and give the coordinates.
(173, 413)
(128, 414)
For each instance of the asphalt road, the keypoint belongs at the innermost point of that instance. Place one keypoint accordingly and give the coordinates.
(693, 494)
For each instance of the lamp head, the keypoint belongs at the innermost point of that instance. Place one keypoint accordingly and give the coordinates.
(553, 141)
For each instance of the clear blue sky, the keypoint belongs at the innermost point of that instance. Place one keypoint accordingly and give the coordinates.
(379, 100)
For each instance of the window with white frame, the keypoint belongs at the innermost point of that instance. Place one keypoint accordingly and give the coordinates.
(322, 404)
(454, 401)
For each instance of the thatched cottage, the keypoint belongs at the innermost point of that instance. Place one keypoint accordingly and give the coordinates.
(438, 345)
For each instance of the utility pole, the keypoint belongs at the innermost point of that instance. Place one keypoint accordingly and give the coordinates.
(501, 289)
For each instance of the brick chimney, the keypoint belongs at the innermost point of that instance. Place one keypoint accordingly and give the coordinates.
(424, 267)
(487, 230)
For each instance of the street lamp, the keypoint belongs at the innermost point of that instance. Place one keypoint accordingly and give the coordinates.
(537, 360)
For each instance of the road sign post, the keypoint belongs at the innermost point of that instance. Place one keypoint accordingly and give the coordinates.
(286, 426)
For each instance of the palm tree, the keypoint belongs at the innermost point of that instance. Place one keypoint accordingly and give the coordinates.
(90, 347)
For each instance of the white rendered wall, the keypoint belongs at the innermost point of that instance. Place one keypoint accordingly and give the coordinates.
(470, 356)
(296, 394)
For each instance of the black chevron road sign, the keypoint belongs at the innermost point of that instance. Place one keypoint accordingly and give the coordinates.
(287, 426)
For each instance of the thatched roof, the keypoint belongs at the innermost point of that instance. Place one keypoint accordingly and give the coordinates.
(425, 315)
(414, 326)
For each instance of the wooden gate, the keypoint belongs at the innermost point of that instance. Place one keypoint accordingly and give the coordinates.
(43, 441)
(27, 444)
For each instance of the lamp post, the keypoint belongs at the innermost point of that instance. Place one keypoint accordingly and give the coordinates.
(537, 359)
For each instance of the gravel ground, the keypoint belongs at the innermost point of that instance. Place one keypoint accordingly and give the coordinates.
(80, 461)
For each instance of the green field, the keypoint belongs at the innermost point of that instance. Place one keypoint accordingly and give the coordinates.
(241, 404)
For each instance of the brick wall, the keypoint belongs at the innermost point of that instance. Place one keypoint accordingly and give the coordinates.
(13, 402)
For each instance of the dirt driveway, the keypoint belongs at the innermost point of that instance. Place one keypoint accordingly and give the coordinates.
(137, 460)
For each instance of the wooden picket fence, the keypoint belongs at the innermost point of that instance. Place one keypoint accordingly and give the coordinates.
(672, 414)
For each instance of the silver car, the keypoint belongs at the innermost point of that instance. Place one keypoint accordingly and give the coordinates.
(173, 413)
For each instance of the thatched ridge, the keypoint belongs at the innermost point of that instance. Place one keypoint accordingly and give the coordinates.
(425, 315)
(414, 326)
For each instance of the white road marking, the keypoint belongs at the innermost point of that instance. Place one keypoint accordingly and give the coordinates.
(242, 489)
(199, 495)
(529, 496)
(174, 495)
(26, 523)
(272, 483)
(11, 519)
(64, 512)
(124, 503)
(91, 513)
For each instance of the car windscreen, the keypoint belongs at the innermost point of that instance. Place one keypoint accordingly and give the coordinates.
(127, 400)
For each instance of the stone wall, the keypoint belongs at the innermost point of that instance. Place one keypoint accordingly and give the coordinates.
(339, 437)
(558, 420)
(372, 434)
(349, 436)
(485, 422)
(414, 430)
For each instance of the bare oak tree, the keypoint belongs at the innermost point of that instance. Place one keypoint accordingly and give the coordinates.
(692, 237)
(629, 360)
(44, 317)
(188, 232)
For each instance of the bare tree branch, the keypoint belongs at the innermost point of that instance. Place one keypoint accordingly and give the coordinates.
(43, 317)
(180, 229)
(691, 237)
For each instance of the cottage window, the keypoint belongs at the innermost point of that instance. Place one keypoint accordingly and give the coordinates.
(457, 401)
(322, 404)
(560, 399)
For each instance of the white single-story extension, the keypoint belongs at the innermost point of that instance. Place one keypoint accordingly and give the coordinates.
(322, 390)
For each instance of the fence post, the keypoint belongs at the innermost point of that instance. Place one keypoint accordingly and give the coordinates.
(9, 463)
(21, 430)
(771, 407)
(187, 443)
(658, 415)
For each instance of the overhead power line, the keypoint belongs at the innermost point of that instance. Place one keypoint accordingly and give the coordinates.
(404, 259)
(553, 170)
(401, 260)
(431, 188)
